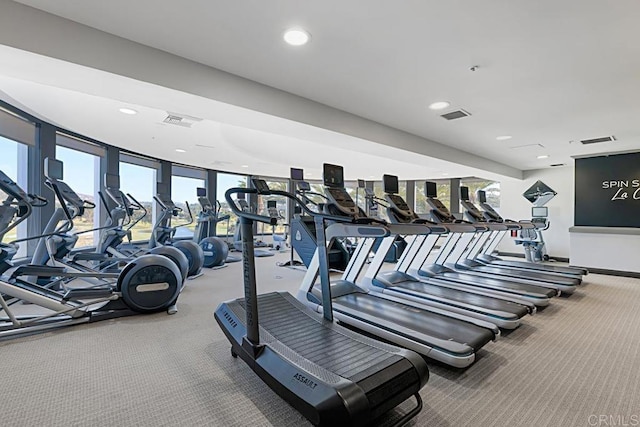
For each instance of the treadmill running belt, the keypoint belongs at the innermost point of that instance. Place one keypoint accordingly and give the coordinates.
(389, 313)
(463, 297)
(307, 336)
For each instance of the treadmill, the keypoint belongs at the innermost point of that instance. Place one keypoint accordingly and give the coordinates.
(563, 282)
(490, 214)
(331, 375)
(445, 336)
(504, 313)
(422, 263)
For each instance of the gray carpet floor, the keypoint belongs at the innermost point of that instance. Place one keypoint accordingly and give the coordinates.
(569, 365)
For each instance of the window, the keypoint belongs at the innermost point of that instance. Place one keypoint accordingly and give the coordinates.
(225, 182)
(491, 188)
(183, 193)
(281, 206)
(140, 182)
(444, 195)
(81, 172)
(13, 162)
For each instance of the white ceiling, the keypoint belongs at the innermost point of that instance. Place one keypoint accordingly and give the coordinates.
(549, 72)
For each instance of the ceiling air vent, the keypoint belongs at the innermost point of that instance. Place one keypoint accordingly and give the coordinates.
(455, 115)
(555, 165)
(598, 140)
(180, 120)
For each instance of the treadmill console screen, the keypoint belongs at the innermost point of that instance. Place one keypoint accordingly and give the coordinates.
(482, 196)
(431, 189)
(343, 200)
(53, 169)
(361, 183)
(464, 193)
(390, 184)
(333, 175)
(260, 185)
(201, 192)
(399, 203)
(297, 174)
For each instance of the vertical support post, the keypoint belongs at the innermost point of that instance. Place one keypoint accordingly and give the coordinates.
(454, 196)
(411, 194)
(323, 258)
(250, 291)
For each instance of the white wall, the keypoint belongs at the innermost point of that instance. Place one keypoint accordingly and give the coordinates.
(514, 206)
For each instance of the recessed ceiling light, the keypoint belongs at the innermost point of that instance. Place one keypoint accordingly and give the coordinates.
(440, 105)
(244, 166)
(503, 137)
(544, 156)
(129, 111)
(296, 36)
(180, 150)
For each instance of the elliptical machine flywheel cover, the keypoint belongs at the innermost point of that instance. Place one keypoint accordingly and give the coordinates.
(175, 255)
(150, 283)
(194, 254)
(215, 251)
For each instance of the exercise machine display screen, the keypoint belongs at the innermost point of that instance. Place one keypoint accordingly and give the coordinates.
(399, 203)
(271, 204)
(162, 188)
(482, 196)
(201, 192)
(111, 181)
(53, 169)
(333, 175)
(431, 189)
(361, 183)
(539, 212)
(464, 193)
(261, 185)
(297, 174)
(304, 186)
(390, 184)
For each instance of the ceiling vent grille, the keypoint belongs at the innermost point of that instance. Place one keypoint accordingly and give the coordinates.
(180, 120)
(555, 165)
(598, 140)
(458, 114)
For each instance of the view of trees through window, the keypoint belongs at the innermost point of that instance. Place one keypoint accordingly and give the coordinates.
(226, 181)
(12, 160)
(444, 195)
(140, 182)
(183, 193)
(85, 182)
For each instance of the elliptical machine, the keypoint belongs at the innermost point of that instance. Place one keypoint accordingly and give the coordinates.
(215, 250)
(163, 232)
(148, 284)
(119, 223)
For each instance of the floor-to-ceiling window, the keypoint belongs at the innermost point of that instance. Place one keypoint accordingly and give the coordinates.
(138, 178)
(184, 184)
(443, 187)
(226, 181)
(13, 163)
(81, 168)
